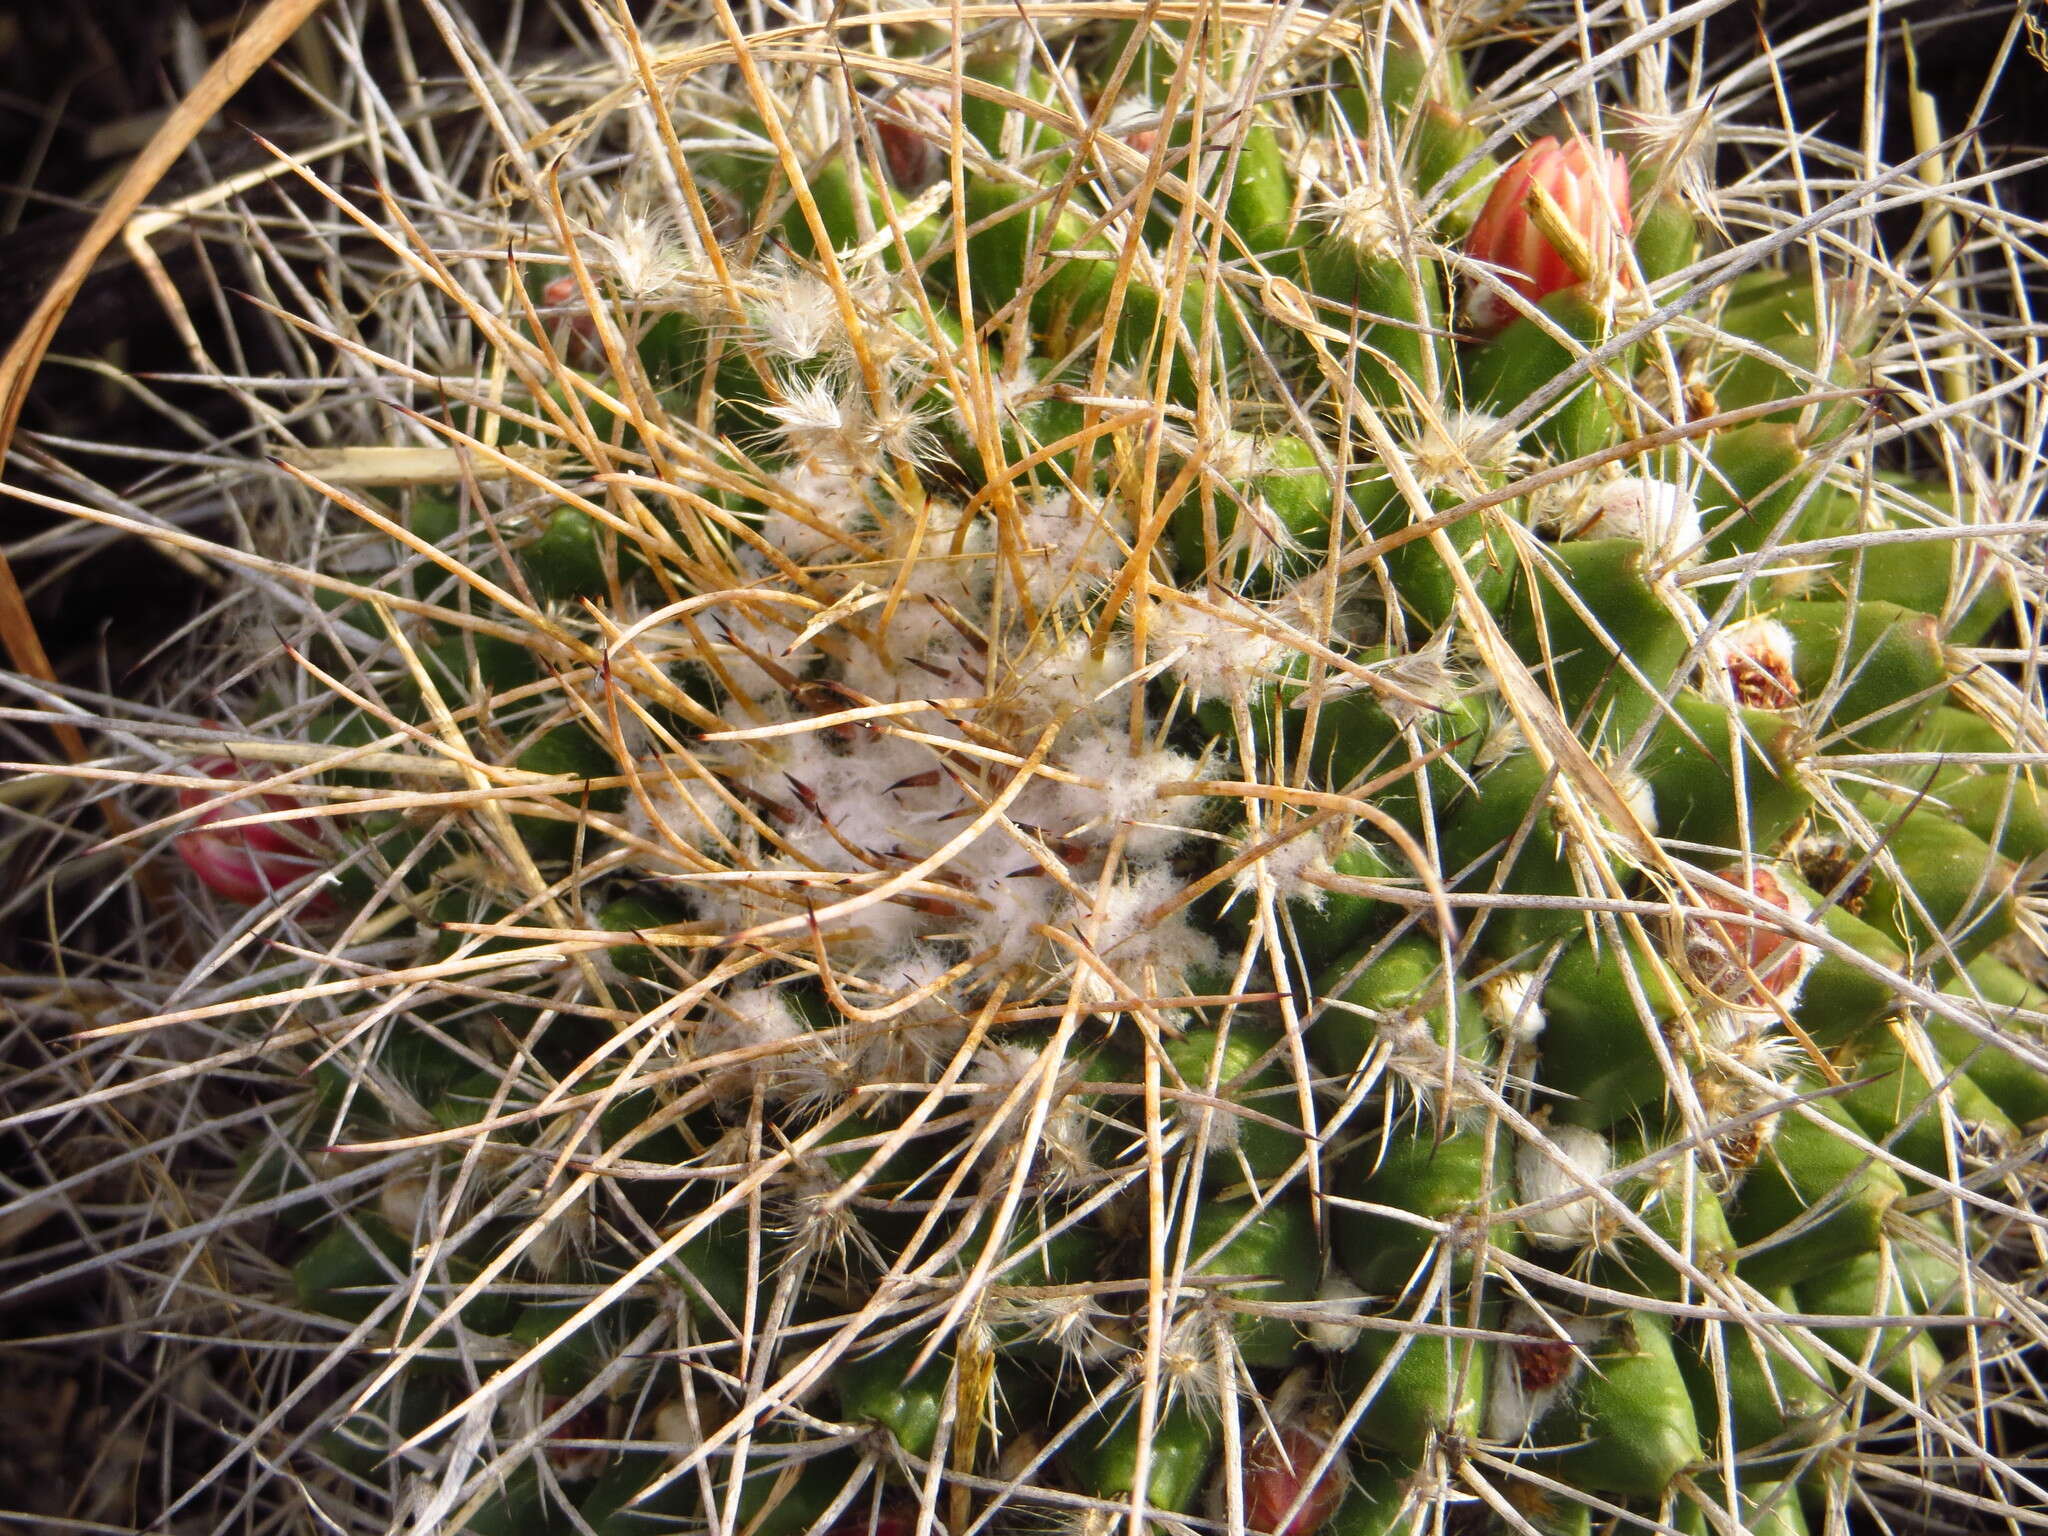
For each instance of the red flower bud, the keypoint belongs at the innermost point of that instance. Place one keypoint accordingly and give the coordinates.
(914, 142)
(894, 1520)
(1275, 1478)
(582, 346)
(575, 1463)
(1742, 965)
(248, 864)
(1590, 187)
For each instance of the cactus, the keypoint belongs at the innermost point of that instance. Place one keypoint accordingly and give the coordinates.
(1119, 770)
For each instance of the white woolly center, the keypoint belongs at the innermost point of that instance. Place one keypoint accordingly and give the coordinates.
(1288, 868)
(648, 255)
(1533, 1375)
(1337, 1303)
(1456, 451)
(1152, 956)
(677, 805)
(1367, 218)
(1511, 1004)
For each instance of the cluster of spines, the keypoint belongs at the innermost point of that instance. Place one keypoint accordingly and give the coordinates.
(1540, 1078)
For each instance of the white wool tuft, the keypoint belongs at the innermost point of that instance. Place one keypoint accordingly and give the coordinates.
(799, 318)
(834, 499)
(1511, 1003)
(742, 1019)
(1502, 741)
(914, 1045)
(1427, 674)
(1337, 1302)
(731, 906)
(1369, 216)
(954, 564)
(747, 1017)
(1533, 1376)
(1661, 516)
(1129, 795)
(1215, 655)
(1576, 1223)
(1457, 451)
(677, 805)
(1288, 867)
(1637, 794)
(1149, 959)
(1067, 552)
(1019, 1069)
(1076, 1326)
(815, 417)
(1000, 1066)
(1061, 676)
(1017, 903)
(648, 255)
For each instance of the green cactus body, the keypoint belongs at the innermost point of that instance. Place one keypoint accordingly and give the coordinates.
(1340, 920)
(1603, 663)
(1940, 890)
(1398, 317)
(1680, 1205)
(1527, 357)
(1451, 1183)
(1777, 1387)
(1814, 1199)
(1898, 1105)
(2015, 1086)
(881, 1390)
(1629, 1424)
(1840, 997)
(1104, 1458)
(1754, 491)
(1696, 759)
(1903, 1358)
(1436, 1386)
(1276, 1247)
(1597, 1051)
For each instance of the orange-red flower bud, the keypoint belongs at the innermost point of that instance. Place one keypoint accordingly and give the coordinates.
(1590, 188)
(913, 139)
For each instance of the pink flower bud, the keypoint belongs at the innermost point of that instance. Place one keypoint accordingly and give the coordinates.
(248, 864)
(1589, 185)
